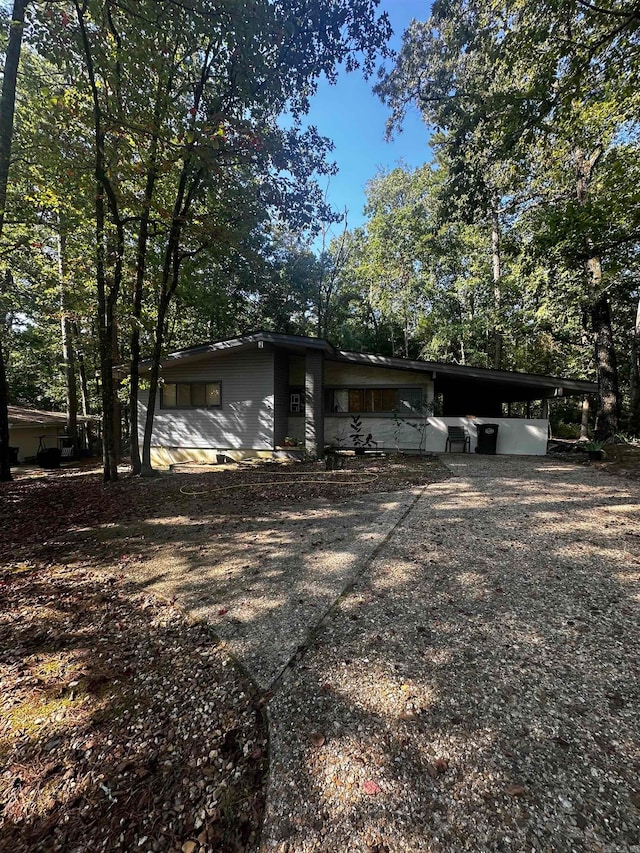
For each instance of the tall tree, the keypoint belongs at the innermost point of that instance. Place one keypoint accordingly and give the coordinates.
(537, 91)
(7, 109)
(207, 129)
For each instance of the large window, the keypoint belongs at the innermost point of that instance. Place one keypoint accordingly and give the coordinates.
(359, 400)
(191, 395)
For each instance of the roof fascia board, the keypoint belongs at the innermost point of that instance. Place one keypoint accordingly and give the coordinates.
(274, 338)
(483, 373)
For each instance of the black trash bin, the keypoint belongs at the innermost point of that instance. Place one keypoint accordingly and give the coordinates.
(487, 438)
(49, 457)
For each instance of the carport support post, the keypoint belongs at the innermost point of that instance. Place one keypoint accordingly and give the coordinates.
(313, 410)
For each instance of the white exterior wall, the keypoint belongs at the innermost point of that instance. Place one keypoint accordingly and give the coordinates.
(27, 439)
(382, 427)
(243, 422)
(516, 436)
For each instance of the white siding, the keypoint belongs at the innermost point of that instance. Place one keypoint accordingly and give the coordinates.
(383, 428)
(245, 419)
(27, 439)
(516, 436)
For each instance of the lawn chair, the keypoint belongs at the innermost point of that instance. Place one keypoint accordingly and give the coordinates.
(457, 435)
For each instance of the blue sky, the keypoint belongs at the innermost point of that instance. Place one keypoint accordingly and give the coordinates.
(354, 118)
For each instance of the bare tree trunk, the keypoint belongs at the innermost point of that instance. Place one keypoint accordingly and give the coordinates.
(170, 276)
(599, 312)
(497, 289)
(141, 268)
(7, 109)
(107, 291)
(68, 352)
(634, 403)
(405, 328)
(584, 418)
(606, 365)
(5, 463)
(84, 390)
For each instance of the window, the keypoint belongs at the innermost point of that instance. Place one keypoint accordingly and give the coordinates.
(372, 400)
(296, 401)
(191, 395)
(410, 399)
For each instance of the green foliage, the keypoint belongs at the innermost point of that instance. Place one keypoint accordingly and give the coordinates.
(190, 118)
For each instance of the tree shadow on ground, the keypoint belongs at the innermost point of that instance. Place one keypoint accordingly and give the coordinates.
(478, 689)
(112, 730)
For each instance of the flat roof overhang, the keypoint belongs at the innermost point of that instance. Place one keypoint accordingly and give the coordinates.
(449, 379)
(498, 385)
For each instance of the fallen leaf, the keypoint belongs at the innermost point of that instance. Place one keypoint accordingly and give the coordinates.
(222, 611)
(439, 766)
(615, 701)
(370, 787)
(409, 715)
(515, 790)
(189, 847)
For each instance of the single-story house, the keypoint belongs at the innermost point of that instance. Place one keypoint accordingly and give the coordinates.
(31, 430)
(248, 395)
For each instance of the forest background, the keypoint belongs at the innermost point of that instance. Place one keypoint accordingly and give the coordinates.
(162, 188)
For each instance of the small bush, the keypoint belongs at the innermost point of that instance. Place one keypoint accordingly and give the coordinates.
(562, 430)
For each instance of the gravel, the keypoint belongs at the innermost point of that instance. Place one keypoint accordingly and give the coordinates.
(448, 668)
(478, 688)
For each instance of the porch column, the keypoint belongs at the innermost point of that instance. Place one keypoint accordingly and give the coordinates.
(313, 410)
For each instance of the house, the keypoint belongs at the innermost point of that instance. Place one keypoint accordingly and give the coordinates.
(31, 430)
(244, 396)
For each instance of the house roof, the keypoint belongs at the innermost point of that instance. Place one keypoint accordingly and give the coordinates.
(20, 416)
(290, 342)
(504, 384)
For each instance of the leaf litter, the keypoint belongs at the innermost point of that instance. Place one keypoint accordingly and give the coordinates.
(123, 725)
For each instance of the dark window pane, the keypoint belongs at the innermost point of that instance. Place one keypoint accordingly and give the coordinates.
(410, 398)
(214, 394)
(355, 400)
(389, 399)
(184, 394)
(198, 395)
(169, 395)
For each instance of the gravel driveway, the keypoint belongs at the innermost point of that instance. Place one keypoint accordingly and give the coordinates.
(453, 668)
(478, 687)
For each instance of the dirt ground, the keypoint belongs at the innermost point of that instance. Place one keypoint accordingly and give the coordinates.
(68, 515)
